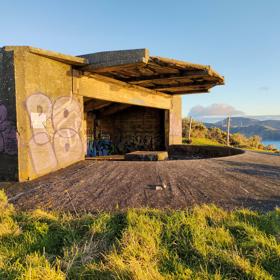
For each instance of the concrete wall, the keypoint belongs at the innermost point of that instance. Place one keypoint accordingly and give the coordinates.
(49, 115)
(135, 128)
(139, 128)
(8, 136)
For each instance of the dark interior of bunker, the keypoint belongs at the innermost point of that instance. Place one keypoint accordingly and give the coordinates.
(117, 128)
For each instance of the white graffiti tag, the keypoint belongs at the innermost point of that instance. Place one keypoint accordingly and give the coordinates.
(56, 140)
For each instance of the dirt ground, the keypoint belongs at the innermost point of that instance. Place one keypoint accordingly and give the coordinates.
(248, 180)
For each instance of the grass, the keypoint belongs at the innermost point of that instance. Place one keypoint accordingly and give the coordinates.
(204, 242)
(211, 142)
(204, 141)
(261, 151)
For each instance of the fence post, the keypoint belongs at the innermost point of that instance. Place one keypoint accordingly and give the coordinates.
(228, 130)
(190, 129)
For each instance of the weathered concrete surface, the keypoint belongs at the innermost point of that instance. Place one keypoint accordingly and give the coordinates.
(147, 156)
(201, 151)
(68, 59)
(44, 92)
(8, 137)
(249, 180)
(100, 87)
(116, 58)
(173, 121)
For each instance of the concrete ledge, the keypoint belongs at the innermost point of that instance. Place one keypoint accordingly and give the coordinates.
(104, 158)
(110, 59)
(200, 151)
(68, 59)
(147, 156)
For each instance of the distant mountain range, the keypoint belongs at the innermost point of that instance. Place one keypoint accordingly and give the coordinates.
(266, 129)
(210, 119)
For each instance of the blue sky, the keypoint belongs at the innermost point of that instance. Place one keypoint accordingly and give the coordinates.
(239, 39)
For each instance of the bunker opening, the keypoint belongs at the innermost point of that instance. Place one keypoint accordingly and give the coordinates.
(117, 128)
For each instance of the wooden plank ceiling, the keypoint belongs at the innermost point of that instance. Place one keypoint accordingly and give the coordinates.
(104, 108)
(161, 74)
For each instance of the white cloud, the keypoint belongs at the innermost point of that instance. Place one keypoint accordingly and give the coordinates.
(214, 110)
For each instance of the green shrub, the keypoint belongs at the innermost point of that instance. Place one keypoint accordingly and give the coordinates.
(199, 130)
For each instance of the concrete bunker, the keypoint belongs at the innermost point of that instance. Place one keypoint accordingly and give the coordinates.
(45, 100)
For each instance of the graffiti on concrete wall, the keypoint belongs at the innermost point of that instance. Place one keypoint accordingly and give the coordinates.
(127, 131)
(56, 140)
(122, 144)
(129, 143)
(8, 134)
(132, 142)
(103, 147)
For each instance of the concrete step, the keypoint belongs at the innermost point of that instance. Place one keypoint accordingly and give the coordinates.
(146, 156)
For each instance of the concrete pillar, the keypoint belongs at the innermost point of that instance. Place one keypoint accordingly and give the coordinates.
(173, 122)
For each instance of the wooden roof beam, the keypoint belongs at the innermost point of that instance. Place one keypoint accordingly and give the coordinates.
(193, 91)
(189, 85)
(181, 75)
(184, 88)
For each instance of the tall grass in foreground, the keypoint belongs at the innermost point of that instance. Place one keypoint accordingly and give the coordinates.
(202, 243)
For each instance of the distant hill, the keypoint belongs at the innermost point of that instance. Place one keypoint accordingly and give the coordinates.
(238, 122)
(267, 129)
(206, 119)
